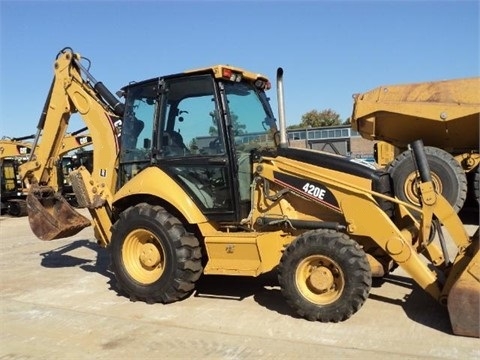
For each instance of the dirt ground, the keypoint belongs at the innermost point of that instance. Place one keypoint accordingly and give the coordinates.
(59, 301)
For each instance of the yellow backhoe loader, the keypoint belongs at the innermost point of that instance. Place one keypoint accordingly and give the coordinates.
(445, 115)
(13, 152)
(192, 175)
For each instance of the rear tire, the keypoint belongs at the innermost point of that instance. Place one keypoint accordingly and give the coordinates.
(324, 275)
(17, 207)
(448, 177)
(154, 258)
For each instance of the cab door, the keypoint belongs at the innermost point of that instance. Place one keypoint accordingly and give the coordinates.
(192, 146)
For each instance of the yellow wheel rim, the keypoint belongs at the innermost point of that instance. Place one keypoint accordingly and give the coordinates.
(319, 279)
(143, 256)
(411, 187)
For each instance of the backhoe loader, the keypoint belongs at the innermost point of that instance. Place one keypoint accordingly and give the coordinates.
(192, 175)
(14, 151)
(445, 115)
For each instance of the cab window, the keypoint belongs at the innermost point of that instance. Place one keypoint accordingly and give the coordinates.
(191, 126)
(137, 130)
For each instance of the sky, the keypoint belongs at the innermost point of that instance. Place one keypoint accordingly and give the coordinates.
(329, 50)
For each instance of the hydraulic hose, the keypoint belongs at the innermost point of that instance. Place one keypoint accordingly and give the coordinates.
(421, 160)
(117, 106)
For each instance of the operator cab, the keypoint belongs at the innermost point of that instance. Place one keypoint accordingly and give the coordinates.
(201, 128)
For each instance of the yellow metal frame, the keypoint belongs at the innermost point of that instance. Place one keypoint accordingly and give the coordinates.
(147, 182)
(405, 244)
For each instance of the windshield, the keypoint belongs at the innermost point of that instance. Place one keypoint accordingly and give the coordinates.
(250, 115)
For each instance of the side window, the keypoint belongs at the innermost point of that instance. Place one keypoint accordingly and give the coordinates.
(137, 130)
(199, 125)
(191, 125)
(252, 125)
(138, 127)
(251, 121)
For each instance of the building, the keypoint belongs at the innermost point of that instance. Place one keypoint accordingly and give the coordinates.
(335, 139)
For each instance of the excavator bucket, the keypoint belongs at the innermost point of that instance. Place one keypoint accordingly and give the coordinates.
(464, 297)
(50, 215)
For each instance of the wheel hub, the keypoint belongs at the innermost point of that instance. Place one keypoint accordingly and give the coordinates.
(149, 255)
(321, 279)
(412, 187)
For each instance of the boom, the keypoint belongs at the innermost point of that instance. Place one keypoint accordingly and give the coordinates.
(71, 93)
(73, 90)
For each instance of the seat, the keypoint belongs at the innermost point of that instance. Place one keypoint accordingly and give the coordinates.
(174, 144)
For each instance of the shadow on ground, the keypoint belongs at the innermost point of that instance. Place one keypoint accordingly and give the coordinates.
(264, 289)
(418, 305)
(60, 258)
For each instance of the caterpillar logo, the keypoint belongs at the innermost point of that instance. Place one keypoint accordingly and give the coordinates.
(83, 140)
(312, 190)
(23, 150)
(118, 127)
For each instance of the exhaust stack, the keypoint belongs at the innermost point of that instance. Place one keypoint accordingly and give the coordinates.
(281, 109)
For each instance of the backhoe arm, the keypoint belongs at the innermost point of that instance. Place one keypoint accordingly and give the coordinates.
(69, 94)
(73, 90)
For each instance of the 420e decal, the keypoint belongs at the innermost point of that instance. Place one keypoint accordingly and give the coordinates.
(312, 190)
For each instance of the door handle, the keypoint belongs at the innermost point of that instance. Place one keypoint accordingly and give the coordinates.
(217, 161)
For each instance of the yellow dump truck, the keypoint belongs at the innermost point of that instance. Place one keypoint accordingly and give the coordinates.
(444, 114)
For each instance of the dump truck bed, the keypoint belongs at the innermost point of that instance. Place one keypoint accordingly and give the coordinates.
(444, 114)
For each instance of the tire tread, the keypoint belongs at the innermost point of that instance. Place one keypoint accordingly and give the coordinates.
(187, 265)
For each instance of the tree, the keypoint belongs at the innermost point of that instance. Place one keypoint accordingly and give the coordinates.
(238, 129)
(315, 118)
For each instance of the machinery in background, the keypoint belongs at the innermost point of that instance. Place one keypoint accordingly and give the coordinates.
(15, 151)
(445, 115)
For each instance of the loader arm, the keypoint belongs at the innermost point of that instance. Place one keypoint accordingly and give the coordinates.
(73, 90)
(344, 194)
(407, 242)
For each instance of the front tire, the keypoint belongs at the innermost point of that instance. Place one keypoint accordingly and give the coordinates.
(154, 258)
(324, 275)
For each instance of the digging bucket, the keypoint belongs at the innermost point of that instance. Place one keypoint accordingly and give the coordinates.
(464, 296)
(50, 215)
